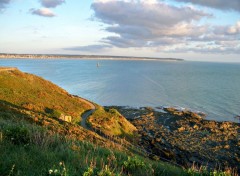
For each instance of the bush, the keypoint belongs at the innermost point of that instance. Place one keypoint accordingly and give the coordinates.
(106, 172)
(53, 113)
(89, 172)
(17, 135)
(134, 163)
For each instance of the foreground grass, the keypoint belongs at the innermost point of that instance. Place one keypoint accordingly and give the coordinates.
(30, 150)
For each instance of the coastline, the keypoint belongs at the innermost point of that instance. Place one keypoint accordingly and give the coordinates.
(89, 57)
(185, 137)
(175, 135)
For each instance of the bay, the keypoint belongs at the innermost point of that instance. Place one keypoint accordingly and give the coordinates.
(213, 88)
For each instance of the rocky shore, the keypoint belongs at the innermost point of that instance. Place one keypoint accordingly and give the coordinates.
(185, 137)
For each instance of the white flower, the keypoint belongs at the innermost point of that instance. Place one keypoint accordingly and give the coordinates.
(55, 171)
(60, 163)
(50, 171)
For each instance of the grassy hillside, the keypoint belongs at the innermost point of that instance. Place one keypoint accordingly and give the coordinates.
(27, 149)
(111, 122)
(34, 93)
(34, 142)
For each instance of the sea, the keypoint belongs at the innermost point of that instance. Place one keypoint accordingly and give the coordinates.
(212, 88)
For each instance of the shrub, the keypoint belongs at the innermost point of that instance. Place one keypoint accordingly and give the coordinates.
(17, 135)
(106, 172)
(202, 171)
(113, 111)
(89, 172)
(134, 163)
(53, 113)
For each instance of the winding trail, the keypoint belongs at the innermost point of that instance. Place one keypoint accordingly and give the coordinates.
(87, 113)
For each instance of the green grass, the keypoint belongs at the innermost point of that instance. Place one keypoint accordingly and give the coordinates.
(37, 152)
(34, 93)
(110, 122)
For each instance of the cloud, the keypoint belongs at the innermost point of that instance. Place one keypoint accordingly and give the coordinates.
(208, 50)
(89, 48)
(51, 3)
(146, 23)
(3, 4)
(144, 13)
(42, 12)
(217, 4)
(234, 30)
(161, 27)
(218, 39)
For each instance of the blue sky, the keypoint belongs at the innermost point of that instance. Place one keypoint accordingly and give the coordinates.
(199, 30)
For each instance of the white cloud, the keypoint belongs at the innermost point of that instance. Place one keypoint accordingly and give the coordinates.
(146, 23)
(51, 3)
(42, 12)
(162, 27)
(139, 13)
(234, 30)
(217, 4)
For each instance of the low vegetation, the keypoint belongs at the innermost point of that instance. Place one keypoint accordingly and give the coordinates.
(34, 140)
(27, 149)
(36, 94)
(111, 122)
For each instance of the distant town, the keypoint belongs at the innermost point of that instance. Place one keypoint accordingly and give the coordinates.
(95, 57)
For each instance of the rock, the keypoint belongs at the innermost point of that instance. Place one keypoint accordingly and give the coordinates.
(167, 153)
(225, 125)
(187, 138)
(227, 147)
(195, 127)
(181, 129)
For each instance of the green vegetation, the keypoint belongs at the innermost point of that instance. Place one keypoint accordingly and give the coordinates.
(34, 93)
(202, 171)
(53, 113)
(110, 122)
(39, 152)
(35, 142)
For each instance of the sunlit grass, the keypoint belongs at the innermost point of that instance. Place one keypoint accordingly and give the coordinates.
(36, 152)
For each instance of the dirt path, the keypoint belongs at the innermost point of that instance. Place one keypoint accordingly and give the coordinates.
(86, 114)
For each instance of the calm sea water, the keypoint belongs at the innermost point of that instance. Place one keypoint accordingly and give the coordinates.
(213, 88)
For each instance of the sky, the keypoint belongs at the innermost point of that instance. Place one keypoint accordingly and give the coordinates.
(198, 30)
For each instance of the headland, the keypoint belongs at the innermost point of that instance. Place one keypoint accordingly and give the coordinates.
(41, 126)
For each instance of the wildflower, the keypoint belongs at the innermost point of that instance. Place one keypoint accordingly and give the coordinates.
(50, 171)
(60, 164)
(55, 171)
